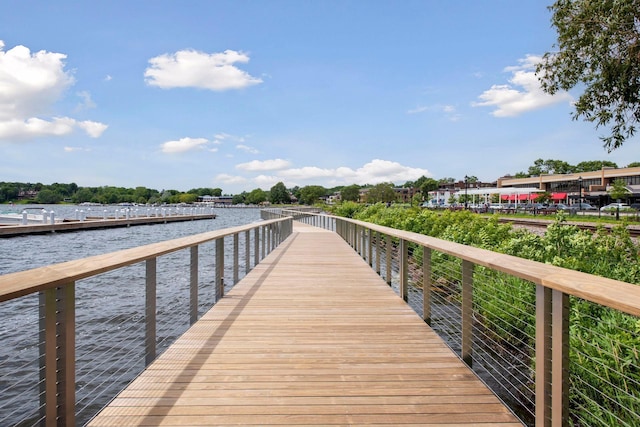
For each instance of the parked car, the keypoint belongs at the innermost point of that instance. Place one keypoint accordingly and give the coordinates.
(588, 207)
(571, 210)
(635, 206)
(615, 206)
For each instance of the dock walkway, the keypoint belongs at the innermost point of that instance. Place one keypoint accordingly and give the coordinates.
(13, 230)
(311, 336)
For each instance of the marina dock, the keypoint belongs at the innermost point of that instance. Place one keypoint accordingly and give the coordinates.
(13, 230)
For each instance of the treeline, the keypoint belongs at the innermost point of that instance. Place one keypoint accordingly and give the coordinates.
(72, 193)
(278, 194)
(551, 166)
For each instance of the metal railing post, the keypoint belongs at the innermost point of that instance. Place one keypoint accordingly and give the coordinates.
(467, 312)
(256, 246)
(426, 284)
(236, 257)
(57, 356)
(193, 285)
(560, 359)
(370, 247)
(404, 267)
(150, 311)
(247, 251)
(66, 355)
(543, 356)
(219, 268)
(378, 252)
(388, 248)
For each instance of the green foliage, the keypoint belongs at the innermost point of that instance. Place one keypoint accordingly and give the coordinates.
(619, 190)
(256, 197)
(350, 193)
(382, 192)
(598, 52)
(311, 194)
(279, 194)
(347, 209)
(604, 342)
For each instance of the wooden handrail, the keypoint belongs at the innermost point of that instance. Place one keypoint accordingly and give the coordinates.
(554, 286)
(619, 295)
(616, 294)
(26, 282)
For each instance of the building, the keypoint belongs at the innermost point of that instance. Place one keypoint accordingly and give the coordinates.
(591, 187)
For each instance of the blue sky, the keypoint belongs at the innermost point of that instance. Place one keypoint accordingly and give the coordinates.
(243, 94)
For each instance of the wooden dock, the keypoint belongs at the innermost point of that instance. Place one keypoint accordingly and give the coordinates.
(13, 230)
(311, 336)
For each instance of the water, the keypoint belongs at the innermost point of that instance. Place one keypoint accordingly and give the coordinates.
(109, 307)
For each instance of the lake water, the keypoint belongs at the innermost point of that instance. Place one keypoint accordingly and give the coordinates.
(109, 307)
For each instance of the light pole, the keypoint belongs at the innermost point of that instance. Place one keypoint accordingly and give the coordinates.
(579, 193)
(466, 179)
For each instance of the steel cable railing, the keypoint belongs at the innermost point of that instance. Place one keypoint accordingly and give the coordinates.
(109, 324)
(521, 311)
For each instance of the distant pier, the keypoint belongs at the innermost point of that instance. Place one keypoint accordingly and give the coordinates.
(93, 223)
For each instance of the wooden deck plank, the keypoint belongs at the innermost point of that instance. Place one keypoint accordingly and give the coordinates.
(311, 336)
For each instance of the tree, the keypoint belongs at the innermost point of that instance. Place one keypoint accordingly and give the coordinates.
(48, 197)
(633, 165)
(256, 197)
(311, 194)
(549, 166)
(350, 193)
(428, 184)
(382, 192)
(618, 190)
(239, 199)
(594, 165)
(598, 50)
(279, 194)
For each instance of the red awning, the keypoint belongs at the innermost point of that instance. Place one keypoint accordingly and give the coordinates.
(558, 196)
(519, 197)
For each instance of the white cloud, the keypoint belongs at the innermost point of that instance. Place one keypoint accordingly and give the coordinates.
(448, 110)
(266, 181)
(93, 129)
(183, 144)
(511, 101)
(374, 172)
(265, 165)
(87, 103)
(72, 149)
(230, 179)
(418, 110)
(247, 149)
(30, 83)
(189, 68)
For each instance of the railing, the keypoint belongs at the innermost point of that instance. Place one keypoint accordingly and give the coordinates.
(560, 347)
(68, 365)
